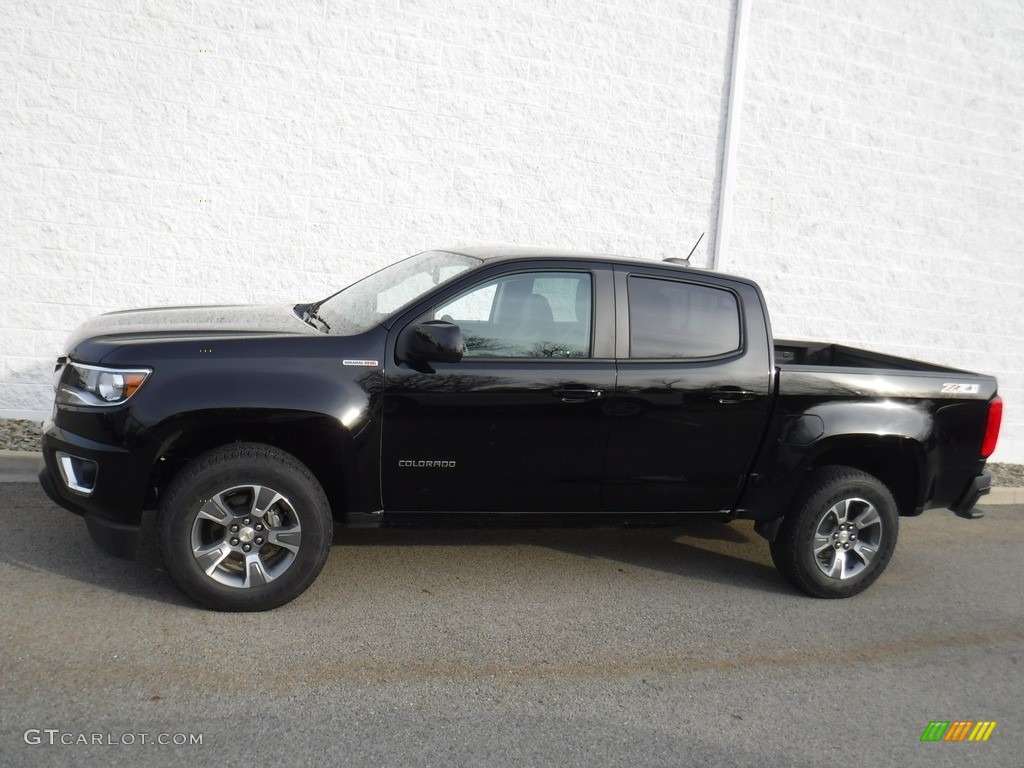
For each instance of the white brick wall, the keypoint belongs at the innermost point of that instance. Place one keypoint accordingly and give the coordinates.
(881, 182)
(167, 151)
(180, 152)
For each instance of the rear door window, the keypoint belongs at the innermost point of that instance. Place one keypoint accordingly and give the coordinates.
(672, 319)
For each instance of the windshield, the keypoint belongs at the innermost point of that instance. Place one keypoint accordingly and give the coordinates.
(366, 303)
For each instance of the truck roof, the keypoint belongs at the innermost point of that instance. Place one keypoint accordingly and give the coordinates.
(503, 252)
(516, 252)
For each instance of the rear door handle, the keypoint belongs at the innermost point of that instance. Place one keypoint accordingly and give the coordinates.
(578, 395)
(728, 395)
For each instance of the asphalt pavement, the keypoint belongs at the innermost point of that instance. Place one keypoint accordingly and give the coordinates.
(588, 648)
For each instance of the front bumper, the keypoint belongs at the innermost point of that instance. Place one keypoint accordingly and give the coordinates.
(112, 503)
(117, 539)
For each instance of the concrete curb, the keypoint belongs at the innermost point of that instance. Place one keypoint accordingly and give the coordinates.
(24, 466)
(20, 466)
(1000, 495)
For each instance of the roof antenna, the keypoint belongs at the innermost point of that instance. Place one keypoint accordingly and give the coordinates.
(686, 261)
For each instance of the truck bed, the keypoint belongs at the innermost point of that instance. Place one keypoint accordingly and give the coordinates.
(822, 354)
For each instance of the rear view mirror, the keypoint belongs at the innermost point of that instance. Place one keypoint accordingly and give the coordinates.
(434, 341)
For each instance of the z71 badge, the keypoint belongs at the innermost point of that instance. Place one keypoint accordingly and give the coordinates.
(952, 388)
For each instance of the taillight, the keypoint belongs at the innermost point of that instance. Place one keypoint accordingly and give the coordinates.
(995, 418)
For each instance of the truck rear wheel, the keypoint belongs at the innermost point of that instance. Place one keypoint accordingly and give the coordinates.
(840, 535)
(245, 527)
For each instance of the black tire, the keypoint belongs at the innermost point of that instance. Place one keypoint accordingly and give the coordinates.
(281, 536)
(850, 518)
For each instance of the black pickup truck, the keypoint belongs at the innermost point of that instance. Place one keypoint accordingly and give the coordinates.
(500, 386)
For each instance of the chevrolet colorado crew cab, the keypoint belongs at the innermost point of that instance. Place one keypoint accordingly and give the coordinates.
(500, 386)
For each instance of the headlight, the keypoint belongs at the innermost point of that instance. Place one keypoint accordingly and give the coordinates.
(92, 385)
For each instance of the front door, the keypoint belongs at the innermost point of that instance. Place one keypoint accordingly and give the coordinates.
(517, 425)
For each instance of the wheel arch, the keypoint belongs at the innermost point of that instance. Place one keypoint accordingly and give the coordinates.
(897, 462)
(320, 442)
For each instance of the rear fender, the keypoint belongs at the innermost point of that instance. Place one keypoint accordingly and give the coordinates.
(888, 439)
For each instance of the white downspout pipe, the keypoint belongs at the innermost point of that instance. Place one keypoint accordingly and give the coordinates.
(734, 109)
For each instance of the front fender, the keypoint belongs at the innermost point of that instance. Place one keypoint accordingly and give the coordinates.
(344, 460)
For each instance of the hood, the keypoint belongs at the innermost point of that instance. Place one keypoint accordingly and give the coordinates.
(172, 323)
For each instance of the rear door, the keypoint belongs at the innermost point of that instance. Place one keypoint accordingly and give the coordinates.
(692, 395)
(516, 425)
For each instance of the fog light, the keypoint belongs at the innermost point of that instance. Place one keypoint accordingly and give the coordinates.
(79, 474)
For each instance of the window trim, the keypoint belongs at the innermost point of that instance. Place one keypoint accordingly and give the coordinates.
(624, 327)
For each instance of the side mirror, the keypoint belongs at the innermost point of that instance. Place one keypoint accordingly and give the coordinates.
(434, 341)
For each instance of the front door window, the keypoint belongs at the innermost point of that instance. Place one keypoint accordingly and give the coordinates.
(531, 315)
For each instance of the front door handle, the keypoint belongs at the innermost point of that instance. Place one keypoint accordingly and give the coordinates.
(728, 395)
(578, 395)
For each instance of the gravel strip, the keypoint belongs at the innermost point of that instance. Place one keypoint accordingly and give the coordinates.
(1007, 475)
(19, 435)
(23, 435)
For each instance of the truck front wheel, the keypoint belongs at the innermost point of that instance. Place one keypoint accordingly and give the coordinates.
(245, 527)
(840, 535)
